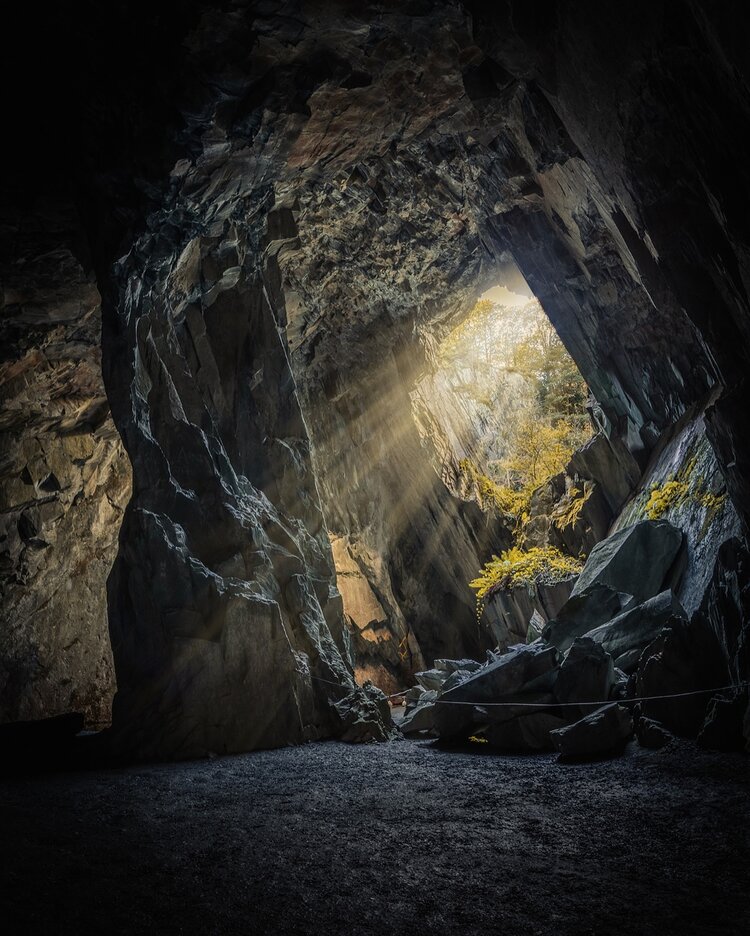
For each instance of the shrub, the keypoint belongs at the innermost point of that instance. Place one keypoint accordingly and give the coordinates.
(540, 565)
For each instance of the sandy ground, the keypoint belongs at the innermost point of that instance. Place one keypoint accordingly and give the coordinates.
(399, 838)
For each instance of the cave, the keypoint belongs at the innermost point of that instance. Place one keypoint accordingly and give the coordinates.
(243, 520)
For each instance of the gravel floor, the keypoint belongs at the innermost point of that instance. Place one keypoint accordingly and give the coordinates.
(397, 838)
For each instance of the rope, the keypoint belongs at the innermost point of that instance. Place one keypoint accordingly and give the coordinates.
(655, 698)
(328, 682)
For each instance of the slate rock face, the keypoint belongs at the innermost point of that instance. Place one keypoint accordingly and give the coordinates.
(64, 475)
(520, 670)
(590, 608)
(601, 732)
(587, 673)
(684, 658)
(636, 560)
(226, 630)
(636, 628)
(526, 733)
(509, 611)
(301, 206)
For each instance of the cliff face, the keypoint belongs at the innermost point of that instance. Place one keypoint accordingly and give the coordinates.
(284, 204)
(65, 476)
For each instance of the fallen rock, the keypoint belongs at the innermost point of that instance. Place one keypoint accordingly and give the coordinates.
(413, 695)
(634, 629)
(455, 679)
(583, 613)
(364, 715)
(451, 666)
(601, 732)
(524, 668)
(685, 657)
(420, 718)
(525, 733)
(587, 673)
(651, 734)
(431, 679)
(636, 560)
(628, 661)
(526, 703)
(722, 729)
(419, 696)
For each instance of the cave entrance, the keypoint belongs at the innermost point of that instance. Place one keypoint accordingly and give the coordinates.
(465, 439)
(501, 412)
(503, 406)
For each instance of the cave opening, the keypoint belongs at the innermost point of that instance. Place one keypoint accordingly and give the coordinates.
(239, 493)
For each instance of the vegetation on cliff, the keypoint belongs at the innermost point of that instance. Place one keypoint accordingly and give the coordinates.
(538, 565)
(545, 425)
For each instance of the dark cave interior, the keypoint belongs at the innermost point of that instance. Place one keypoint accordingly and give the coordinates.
(239, 508)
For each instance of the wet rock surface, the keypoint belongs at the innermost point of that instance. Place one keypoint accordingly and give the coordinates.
(324, 837)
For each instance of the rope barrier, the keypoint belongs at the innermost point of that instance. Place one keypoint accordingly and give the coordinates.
(628, 701)
(328, 682)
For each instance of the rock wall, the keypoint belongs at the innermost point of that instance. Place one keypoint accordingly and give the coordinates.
(65, 478)
(683, 484)
(284, 204)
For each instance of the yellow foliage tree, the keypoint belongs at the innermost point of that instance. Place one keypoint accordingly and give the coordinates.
(540, 451)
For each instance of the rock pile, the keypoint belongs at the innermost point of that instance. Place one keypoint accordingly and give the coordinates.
(621, 632)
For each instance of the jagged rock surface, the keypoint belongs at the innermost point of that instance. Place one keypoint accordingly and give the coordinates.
(64, 476)
(600, 732)
(281, 210)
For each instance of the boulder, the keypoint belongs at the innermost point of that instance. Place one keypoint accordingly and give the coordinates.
(420, 718)
(432, 678)
(651, 734)
(636, 628)
(450, 666)
(524, 704)
(523, 668)
(583, 613)
(455, 679)
(601, 732)
(722, 729)
(628, 661)
(364, 715)
(417, 696)
(587, 674)
(685, 657)
(636, 560)
(525, 733)
(520, 669)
